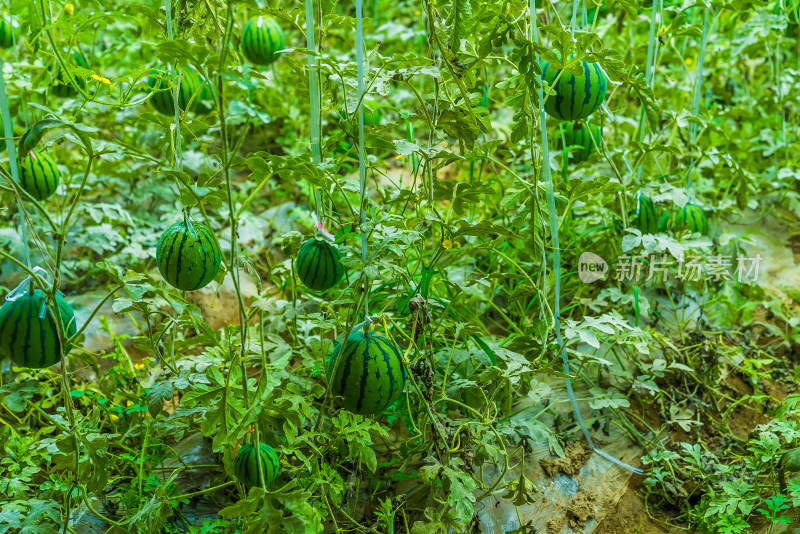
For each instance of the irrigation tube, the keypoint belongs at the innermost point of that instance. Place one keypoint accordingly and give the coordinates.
(553, 223)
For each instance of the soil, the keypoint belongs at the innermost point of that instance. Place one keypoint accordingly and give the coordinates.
(629, 515)
(580, 509)
(554, 526)
(576, 455)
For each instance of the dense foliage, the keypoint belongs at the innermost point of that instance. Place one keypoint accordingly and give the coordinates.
(265, 340)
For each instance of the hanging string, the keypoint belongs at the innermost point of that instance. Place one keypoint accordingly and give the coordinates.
(176, 94)
(648, 77)
(553, 224)
(362, 169)
(314, 105)
(696, 103)
(13, 162)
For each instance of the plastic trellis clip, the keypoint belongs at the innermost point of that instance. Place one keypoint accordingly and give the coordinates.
(320, 226)
(24, 288)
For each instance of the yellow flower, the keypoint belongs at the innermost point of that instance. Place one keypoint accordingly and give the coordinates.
(100, 79)
(447, 244)
(399, 156)
(688, 61)
(68, 9)
(130, 403)
(114, 418)
(139, 366)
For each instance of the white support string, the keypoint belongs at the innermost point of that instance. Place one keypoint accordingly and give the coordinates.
(314, 105)
(553, 223)
(8, 133)
(361, 156)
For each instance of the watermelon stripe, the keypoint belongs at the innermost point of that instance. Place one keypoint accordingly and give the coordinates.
(27, 346)
(16, 323)
(387, 360)
(179, 263)
(365, 375)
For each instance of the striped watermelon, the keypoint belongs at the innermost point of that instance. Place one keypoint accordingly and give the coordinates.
(7, 36)
(574, 97)
(31, 341)
(245, 465)
(164, 92)
(692, 217)
(62, 87)
(262, 38)
(188, 257)
(39, 175)
(647, 216)
(319, 265)
(370, 376)
(580, 140)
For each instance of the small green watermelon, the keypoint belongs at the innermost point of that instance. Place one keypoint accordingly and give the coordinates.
(692, 217)
(262, 40)
(574, 96)
(39, 175)
(164, 92)
(7, 36)
(319, 265)
(61, 86)
(647, 216)
(27, 337)
(370, 376)
(245, 466)
(188, 257)
(580, 139)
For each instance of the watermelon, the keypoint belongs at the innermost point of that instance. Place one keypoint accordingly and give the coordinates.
(370, 376)
(574, 97)
(262, 39)
(7, 36)
(39, 175)
(580, 140)
(188, 257)
(62, 87)
(164, 93)
(692, 217)
(28, 339)
(245, 465)
(319, 265)
(647, 216)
